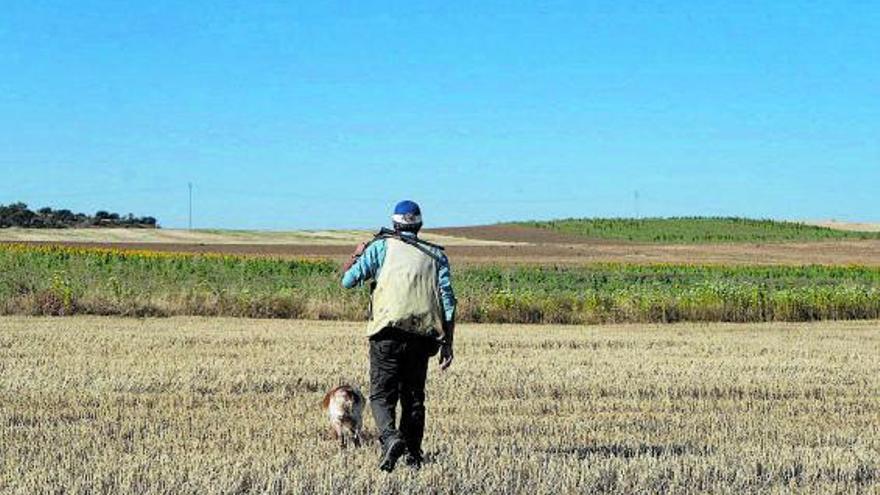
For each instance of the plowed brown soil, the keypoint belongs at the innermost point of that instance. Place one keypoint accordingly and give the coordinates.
(825, 253)
(514, 234)
(519, 244)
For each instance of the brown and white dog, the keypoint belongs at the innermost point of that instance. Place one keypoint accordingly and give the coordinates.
(345, 405)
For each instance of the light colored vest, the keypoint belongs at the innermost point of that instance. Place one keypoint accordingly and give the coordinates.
(407, 295)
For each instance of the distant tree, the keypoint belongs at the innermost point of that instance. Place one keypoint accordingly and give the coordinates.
(19, 215)
(66, 217)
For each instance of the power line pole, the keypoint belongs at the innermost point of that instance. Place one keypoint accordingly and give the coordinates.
(190, 185)
(636, 197)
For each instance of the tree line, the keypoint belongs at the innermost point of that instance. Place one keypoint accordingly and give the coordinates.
(19, 215)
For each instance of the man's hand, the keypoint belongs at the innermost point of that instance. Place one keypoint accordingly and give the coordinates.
(358, 251)
(446, 356)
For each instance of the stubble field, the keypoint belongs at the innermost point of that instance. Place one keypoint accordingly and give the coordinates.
(183, 405)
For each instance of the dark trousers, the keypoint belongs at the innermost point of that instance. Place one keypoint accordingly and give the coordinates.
(398, 369)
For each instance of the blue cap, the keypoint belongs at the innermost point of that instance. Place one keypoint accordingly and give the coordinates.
(407, 213)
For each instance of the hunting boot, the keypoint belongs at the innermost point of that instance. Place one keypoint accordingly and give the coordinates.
(391, 452)
(414, 460)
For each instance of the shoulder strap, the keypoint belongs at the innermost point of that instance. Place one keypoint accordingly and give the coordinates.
(423, 246)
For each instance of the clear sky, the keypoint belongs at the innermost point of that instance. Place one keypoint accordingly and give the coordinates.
(323, 114)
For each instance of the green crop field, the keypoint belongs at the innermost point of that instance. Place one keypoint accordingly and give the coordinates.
(690, 230)
(60, 281)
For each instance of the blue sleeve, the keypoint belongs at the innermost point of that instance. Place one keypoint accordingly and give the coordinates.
(444, 281)
(367, 266)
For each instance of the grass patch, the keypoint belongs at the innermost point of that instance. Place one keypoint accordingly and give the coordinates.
(696, 230)
(52, 280)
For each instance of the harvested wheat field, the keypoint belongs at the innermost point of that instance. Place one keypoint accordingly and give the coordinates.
(184, 405)
(851, 226)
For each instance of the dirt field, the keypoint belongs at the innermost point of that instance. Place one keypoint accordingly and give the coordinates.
(188, 405)
(183, 238)
(477, 245)
(852, 226)
(824, 253)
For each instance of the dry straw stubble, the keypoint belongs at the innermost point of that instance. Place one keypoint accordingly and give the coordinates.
(176, 405)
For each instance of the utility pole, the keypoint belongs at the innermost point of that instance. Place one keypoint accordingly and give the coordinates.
(190, 185)
(636, 198)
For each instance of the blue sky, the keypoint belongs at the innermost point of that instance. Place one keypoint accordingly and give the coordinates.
(323, 114)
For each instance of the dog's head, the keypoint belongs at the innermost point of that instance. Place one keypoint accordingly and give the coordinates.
(343, 392)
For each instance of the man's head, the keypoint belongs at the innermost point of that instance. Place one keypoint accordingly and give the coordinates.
(407, 217)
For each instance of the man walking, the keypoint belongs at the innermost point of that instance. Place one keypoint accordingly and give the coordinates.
(413, 314)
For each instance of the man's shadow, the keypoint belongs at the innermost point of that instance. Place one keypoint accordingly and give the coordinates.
(630, 451)
(617, 450)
